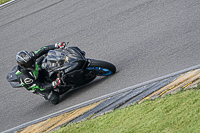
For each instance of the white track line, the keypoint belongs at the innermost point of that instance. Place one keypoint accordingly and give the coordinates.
(7, 3)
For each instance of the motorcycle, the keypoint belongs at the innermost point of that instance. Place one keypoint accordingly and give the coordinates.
(71, 66)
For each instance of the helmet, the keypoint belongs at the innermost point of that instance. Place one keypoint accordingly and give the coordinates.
(25, 60)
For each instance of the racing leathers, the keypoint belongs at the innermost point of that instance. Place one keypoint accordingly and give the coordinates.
(36, 80)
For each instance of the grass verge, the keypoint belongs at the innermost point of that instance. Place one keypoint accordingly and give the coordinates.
(178, 113)
(3, 1)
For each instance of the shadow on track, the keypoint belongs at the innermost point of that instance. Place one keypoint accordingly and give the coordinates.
(68, 94)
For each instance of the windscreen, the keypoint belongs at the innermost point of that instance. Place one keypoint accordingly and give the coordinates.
(55, 59)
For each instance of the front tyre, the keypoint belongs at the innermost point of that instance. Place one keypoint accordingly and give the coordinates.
(101, 68)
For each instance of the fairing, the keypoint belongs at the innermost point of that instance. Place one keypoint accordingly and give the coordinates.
(12, 78)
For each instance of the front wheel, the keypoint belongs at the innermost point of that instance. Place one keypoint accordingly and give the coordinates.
(102, 68)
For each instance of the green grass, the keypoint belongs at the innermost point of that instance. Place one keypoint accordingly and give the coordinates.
(3, 1)
(177, 113)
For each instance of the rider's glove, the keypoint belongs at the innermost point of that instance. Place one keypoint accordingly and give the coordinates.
(61, 45)
(56, 83)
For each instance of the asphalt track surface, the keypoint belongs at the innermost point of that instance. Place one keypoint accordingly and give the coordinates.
(145, 39)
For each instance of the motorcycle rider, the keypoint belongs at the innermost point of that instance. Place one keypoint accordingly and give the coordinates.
(30, 74)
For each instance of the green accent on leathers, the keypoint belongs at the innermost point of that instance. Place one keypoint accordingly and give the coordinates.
(35, 87)
(35, 72)
(18, 73)
(39, 50)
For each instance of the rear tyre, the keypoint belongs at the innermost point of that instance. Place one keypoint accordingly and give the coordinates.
(102, 68)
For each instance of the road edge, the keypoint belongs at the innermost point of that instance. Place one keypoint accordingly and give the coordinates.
(7, 3)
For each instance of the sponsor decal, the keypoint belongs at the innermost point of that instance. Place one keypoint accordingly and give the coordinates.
(28, 81)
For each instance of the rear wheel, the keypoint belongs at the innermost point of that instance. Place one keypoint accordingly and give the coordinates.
(102, 68)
